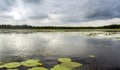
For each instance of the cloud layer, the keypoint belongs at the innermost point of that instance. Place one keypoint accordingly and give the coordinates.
(61, 12)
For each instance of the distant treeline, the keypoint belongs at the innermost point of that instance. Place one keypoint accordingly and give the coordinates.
(56, 27)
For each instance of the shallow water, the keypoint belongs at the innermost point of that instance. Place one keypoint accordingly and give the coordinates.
(48, 46)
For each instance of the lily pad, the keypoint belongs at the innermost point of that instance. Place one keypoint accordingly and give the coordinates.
(11, 65)
(31, 63)
(106, 46)
(92, 56)
(38, 68)
(64, 59)
(12, 69)
(58, 67)
(1, 63)
(1, 66)
(71, 64)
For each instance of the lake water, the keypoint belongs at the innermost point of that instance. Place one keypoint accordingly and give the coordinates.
(48, 46)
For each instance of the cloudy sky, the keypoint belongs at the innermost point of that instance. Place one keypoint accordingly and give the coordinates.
(60, 12)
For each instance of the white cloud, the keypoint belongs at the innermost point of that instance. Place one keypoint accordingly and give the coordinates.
(18, 11)
(99, 22)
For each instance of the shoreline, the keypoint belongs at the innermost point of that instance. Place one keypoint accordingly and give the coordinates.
(62, 30)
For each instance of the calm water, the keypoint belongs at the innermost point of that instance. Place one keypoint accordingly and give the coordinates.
(48, 46)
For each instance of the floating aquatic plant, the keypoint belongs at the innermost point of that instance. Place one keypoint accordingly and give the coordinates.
(92, 56)
(38, 68)
(106, 46)
(31, 63)
(65, 64)
(11, 65)
(1, 63)
(1, 66)
(64, 59)
(12, 69)
(92, 34)
(70, 64)
(58, 67)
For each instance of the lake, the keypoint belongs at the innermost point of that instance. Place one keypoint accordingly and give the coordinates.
(49, 46)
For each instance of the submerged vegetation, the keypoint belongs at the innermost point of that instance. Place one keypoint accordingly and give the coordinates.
(34, 64)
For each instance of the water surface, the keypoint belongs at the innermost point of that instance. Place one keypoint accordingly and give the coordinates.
(48, 46)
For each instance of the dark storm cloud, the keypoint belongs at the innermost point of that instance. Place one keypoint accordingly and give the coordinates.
(105, 8)
(60, 10)
(33, 1)
(6, 4)
(39, 16)
(78, 10)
